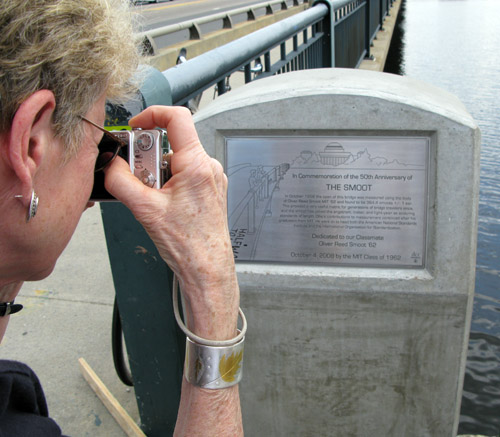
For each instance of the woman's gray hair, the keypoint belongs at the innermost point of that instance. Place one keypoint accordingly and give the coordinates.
(78, 49)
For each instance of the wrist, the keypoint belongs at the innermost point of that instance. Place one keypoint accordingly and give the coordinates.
(212, 312)
(211, 301)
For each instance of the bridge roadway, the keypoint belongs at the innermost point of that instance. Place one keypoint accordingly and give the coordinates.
(166, 12)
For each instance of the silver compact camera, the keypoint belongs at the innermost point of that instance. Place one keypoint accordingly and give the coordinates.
(148, 154)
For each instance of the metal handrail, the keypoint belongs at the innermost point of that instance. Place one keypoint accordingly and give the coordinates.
(189, 78)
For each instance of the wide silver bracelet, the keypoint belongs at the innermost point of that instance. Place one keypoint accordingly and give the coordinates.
(213, 367)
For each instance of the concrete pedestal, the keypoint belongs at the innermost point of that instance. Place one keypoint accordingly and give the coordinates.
(359, 350)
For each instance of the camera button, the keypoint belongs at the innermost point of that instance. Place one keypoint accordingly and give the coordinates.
(145, 141)
(148, 178)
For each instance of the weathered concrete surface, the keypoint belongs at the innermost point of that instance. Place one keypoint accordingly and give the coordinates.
(359, 351)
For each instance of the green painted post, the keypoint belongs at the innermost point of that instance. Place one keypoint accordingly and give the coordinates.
(329, 29)
(143, 282)
(143, 291)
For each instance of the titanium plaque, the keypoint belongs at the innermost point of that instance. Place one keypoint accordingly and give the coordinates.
(329, 200)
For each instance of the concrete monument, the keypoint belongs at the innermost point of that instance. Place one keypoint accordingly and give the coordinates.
(353, 213)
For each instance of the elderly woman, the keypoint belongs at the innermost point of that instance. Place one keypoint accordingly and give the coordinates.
(60, 60)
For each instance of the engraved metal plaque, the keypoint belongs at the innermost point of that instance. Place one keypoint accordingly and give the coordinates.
(358, 201)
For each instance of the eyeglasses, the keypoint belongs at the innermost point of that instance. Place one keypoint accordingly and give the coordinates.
(109, 146)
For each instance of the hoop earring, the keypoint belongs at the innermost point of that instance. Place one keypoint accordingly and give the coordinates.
(33, 207)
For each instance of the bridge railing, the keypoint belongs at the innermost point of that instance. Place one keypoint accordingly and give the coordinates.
(331, 33)
(189, 79)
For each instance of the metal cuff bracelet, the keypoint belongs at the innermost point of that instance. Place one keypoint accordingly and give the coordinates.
(213, 367)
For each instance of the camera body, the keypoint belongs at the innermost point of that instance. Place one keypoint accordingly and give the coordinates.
(148, 157)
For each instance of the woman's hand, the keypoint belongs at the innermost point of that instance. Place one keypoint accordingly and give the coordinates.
(187, 220)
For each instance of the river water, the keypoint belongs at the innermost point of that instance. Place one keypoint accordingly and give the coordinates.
(455, 45)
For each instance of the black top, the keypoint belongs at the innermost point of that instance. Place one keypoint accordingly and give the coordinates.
(23, 408)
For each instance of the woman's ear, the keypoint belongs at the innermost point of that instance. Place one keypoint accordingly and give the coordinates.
(30, 134)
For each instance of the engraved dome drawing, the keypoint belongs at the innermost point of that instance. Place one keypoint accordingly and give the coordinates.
(334, 154)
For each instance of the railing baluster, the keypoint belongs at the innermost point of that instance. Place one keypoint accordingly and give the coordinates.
(267, 61)
(248, 74)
